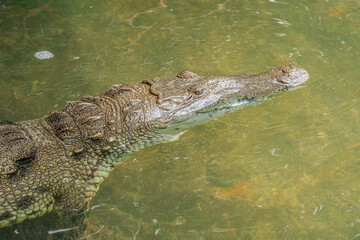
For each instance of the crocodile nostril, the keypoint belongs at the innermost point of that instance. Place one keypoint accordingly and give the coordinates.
(287, 69)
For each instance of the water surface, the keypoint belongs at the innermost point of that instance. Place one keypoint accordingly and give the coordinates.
(287, 168)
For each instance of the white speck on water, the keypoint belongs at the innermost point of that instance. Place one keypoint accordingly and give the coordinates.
(272, 152)
(62, 230)
(282, 22)
(274, 1)
(99, 205)
(76, 57)
(43, 55)
(317, 209)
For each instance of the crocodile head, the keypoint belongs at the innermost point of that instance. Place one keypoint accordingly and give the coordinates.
(189, 99)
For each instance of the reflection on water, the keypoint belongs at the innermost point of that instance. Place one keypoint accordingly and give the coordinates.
(286, 168)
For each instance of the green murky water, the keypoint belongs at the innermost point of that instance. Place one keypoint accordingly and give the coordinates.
(284, 169)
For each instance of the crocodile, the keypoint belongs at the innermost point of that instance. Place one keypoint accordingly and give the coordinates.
(58, 161)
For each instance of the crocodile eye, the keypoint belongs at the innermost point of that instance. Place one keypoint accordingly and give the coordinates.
(198, 90)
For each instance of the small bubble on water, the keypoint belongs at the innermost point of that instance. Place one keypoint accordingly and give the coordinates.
(43, 55)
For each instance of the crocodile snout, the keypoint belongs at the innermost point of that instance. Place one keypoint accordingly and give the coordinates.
(293, 76)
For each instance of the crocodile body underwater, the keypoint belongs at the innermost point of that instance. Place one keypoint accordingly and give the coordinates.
(57, 162)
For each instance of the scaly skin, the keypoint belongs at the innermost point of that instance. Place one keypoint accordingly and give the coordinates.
(57, 162)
